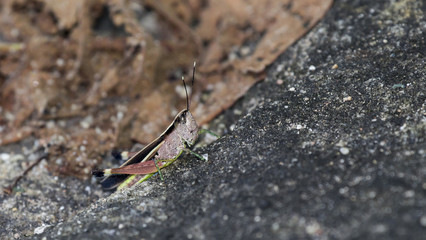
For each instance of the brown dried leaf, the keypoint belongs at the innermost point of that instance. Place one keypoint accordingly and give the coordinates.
(15, 135)
(223, 96)
(65, 11)
(227, 25)
(300, 17)
(153, 112)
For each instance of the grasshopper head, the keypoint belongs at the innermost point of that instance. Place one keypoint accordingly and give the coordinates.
(186, 126)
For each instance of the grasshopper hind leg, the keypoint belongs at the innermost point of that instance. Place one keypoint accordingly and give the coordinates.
(137, 179)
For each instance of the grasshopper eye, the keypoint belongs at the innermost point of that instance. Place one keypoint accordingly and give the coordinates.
(182, 118)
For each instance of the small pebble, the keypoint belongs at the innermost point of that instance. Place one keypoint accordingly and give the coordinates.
(335, 66)
(380, 228)
(344, 150)
(398, 85)
(60, 62)
(275, 226)
(343, 190)
(245, 51)
(40, 230)
(87, 189)
(4, 156)
(346, 99)
(313, 228)
(409, 194)
(423, 221)
(372, 194)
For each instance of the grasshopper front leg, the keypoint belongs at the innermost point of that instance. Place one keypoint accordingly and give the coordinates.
(195, 154)
(203, 130)
(164, 163)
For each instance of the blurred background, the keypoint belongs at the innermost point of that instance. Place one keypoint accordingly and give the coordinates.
(83, 77)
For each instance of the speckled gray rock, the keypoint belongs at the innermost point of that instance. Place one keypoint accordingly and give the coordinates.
(330, 146)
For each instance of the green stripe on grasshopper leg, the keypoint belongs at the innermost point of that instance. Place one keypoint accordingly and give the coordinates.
(203, 130)
(146, 177)
(159, 171)
(132, 180)
(167, 163)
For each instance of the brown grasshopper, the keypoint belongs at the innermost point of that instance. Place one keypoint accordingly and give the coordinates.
(163, 151)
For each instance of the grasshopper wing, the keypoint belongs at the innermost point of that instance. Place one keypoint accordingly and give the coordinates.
(112, 181)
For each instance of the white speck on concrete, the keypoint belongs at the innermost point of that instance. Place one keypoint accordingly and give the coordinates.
(423, 221)
(409, 194)
(344, 150)
(313, 228)
(347, 99)
(4, 156)
(40, 230)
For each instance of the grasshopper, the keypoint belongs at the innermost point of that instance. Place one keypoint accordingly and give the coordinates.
(163, 151)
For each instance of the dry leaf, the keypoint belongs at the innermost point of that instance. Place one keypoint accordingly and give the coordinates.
(65, 11)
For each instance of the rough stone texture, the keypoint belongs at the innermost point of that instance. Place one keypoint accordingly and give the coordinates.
(42, 199)
(330, 146)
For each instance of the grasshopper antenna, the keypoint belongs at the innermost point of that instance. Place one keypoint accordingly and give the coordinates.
(188, 99)
(186, 92)
(193, 79)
